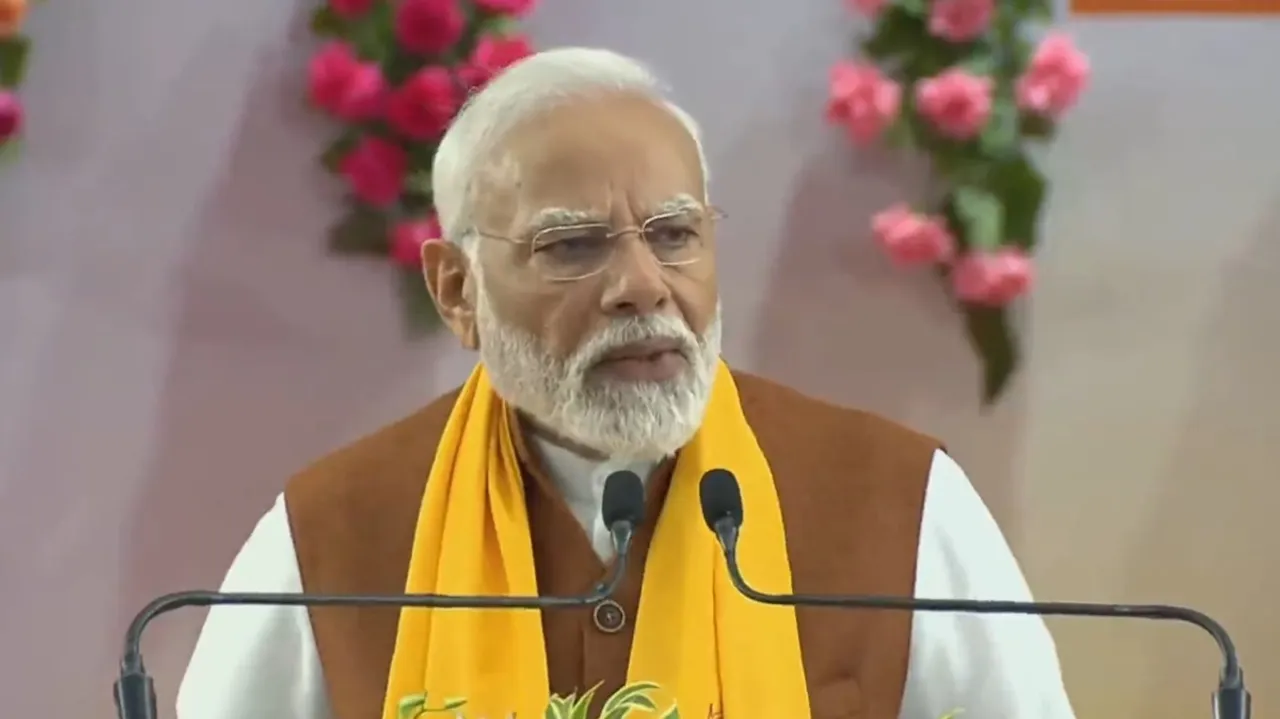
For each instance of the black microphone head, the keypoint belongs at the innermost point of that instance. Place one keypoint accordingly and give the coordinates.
(623, 499)
(721, 497)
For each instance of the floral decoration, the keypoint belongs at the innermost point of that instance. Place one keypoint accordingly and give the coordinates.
(15, 49)
(972, 85)
(633, 699)
(393, 73)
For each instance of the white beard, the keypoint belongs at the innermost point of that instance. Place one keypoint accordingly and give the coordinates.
(645, 421)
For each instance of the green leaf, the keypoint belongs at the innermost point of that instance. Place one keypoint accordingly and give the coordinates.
(363, 231)
(898, 32)
(632, 696)
(558, 708)
(411, 706)
(1000, 138)
(901, 135)
(672, 713)
(498, 24)
(331, 158)
(372, 34)
(420, 313)
(916, 8)
(14, 53)
(980, 63)
(9, 150)
(1035, 10)
(982, 216)
(993, 339)
(581, 709)
(419, 182)
(1022, 189)
(1021, 51)
(1037, 127)
(326, 23)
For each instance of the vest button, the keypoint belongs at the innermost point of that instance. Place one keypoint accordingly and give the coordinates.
(609, 617)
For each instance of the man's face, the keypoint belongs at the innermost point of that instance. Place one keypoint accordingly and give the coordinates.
(606, 336)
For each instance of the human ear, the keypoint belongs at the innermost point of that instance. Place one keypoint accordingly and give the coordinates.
(447, 271)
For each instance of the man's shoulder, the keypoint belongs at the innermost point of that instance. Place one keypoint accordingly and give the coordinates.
(387, 463)
(776, 406)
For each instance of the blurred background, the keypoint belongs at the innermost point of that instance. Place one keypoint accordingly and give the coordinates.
(175, 342)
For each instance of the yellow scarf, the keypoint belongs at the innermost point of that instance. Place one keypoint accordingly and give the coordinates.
(696, 637)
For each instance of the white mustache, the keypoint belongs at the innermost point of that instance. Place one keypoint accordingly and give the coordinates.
(629, 331)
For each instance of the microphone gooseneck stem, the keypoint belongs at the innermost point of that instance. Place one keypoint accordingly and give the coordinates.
(134, 691)
(1231, 701)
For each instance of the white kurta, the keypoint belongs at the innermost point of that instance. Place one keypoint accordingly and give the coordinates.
(262, 663)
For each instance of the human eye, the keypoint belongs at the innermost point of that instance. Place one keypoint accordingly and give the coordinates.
(573, 244)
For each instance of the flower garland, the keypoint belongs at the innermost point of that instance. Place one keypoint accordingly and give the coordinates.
(15, 48)
(394, 73)
(962, 82)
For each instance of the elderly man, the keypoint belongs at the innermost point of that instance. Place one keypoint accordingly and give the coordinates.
(580, 264)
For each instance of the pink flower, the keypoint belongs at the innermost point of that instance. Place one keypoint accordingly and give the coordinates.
(862, 99)
(912, 239)
(407, 239)
(423, 107)
(956, 103)
(869, 8)
(961, 20)
(1058, 73)
(515, 8)
(10, 116)
(429, 27)
(992, 279)
(343, 85)
(492, 55)
(351, 8)
(376, 169)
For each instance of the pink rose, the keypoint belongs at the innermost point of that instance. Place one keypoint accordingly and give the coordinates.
(10, 116)
(492, 55)
(862, 99)
(1055, 78)
(514, 8)
(376, 169)
(429, 27)
(992, 279)
(956, 103)
(351, 8)
(869, 8)
(344, 86)
(423, 107)
(407, 239)
(912, 239)
(961, 20)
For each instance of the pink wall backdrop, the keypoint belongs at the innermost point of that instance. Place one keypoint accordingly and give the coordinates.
(174, 343)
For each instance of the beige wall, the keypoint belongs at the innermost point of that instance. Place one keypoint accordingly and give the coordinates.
(173, 343)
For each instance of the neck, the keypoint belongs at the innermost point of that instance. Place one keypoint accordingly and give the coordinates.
(579, 478)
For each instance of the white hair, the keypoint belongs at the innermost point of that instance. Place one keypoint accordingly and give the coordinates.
(527, 88)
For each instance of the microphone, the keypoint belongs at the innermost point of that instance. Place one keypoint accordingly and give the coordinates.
(722, 510)
(622, 509)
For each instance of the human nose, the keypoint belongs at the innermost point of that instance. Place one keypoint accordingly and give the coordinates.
(635, 283)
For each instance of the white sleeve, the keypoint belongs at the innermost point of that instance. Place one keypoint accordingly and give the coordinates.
(983, 665)
(256, 662)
